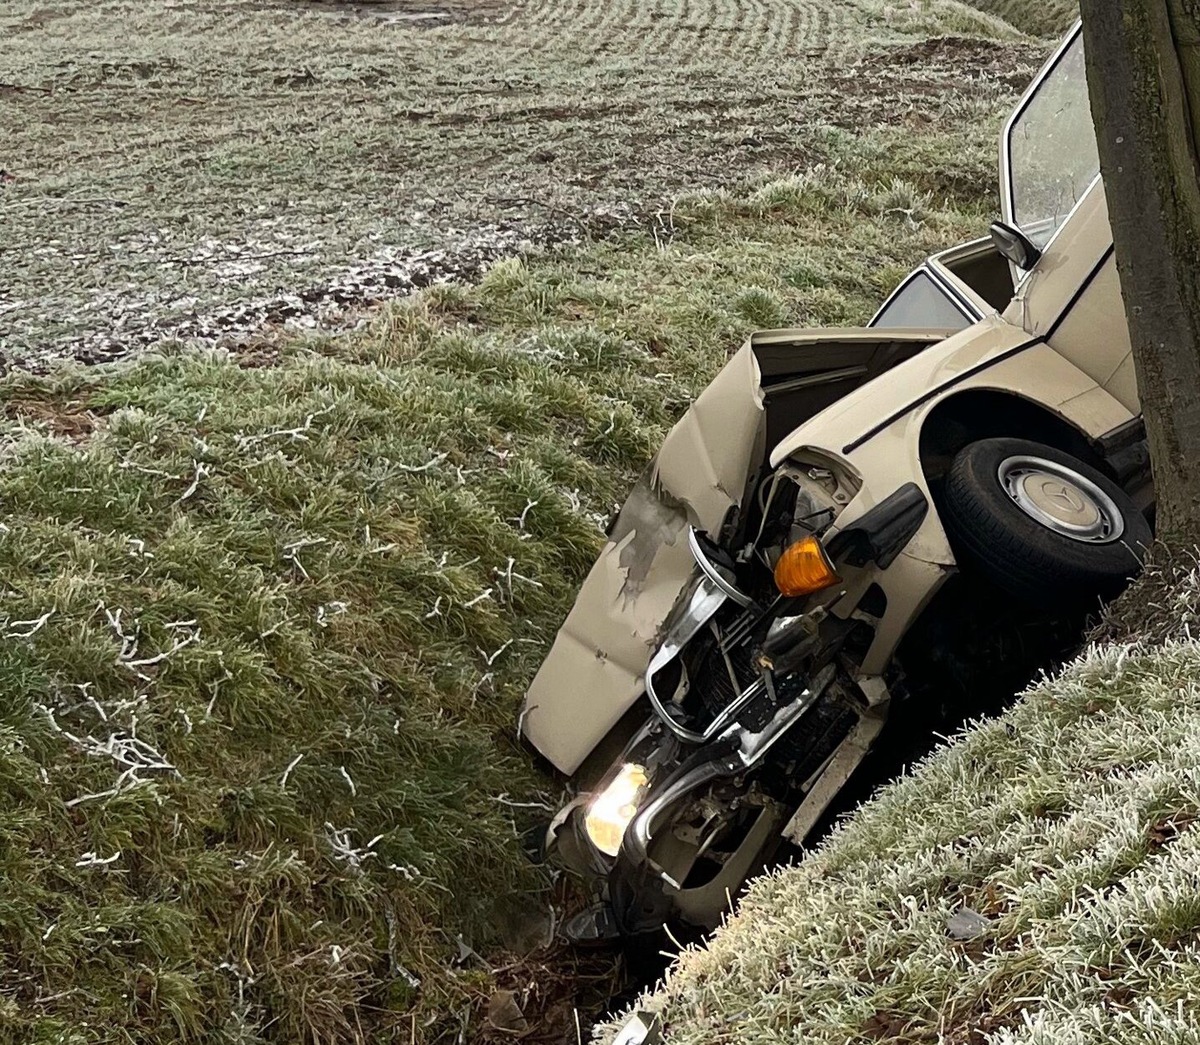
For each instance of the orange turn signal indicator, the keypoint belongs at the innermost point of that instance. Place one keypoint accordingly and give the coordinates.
(804, 568)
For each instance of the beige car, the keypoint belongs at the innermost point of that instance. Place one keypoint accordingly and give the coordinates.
(848, 528)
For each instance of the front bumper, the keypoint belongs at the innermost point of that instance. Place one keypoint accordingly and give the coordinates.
(702, 787)
(651, 880)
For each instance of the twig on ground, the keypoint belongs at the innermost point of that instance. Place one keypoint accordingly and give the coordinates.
(433, 462)
(201, 472)
(90, 859)
(288, 772)
(343, 850)
(528, 201)
(32, 626)
(216, 689)
(129, 643)
(529, 506)
(299, 434)
(291, 552)
(491, 659)
(158, 658)
(504, 800)
(485, 594)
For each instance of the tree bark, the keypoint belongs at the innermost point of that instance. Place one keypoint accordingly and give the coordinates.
(1143, 69)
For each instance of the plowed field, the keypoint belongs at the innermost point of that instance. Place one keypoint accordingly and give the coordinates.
(198, 168)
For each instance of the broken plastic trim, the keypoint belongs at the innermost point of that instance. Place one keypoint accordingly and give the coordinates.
(723, 761)
(880, 534)
(717, 724)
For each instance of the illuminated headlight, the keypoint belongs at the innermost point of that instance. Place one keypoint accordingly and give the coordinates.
(610, 812)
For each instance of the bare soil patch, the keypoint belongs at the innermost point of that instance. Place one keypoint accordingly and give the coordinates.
(72, 421)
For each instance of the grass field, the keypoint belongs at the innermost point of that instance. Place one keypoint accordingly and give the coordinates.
(270, 611)
(354, 557)
(188, 168)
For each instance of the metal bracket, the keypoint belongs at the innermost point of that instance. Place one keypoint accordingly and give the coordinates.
(845, 760)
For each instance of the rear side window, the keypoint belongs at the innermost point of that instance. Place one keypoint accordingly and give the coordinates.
(921, 304)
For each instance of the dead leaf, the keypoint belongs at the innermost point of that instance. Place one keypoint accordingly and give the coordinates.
(505, 1014)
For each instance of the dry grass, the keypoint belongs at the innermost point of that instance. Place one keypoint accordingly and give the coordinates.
(1048, 18)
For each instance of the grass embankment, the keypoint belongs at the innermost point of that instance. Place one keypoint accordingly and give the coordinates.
(1034, 882)
(267, 617)
(1037, 17)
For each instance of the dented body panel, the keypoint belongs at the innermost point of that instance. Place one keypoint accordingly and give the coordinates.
(593, 672)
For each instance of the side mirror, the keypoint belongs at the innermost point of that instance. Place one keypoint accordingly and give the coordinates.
(1013, 245)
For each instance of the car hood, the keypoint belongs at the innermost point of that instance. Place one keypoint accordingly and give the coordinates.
(593, 672)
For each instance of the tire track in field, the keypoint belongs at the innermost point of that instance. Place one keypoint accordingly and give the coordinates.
(660, 34)
(685, 33)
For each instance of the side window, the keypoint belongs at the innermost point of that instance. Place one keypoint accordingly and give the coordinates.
(1050, 155)
(921, 304)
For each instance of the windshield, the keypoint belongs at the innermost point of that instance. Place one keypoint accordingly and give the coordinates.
(1051, 147)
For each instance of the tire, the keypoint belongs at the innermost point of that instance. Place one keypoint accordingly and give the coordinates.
(1040, 523)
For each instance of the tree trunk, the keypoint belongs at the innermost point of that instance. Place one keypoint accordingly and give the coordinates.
(1143, 68)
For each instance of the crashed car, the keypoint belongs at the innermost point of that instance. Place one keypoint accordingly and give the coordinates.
(835, 512)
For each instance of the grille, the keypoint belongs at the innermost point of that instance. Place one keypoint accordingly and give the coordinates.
(710, 676)
(807, 744)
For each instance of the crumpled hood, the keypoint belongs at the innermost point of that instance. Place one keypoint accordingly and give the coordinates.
(594, 670)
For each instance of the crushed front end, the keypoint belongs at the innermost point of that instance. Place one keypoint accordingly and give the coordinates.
(753, 718)
(705, 694)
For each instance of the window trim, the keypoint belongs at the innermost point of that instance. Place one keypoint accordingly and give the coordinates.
(941, 267)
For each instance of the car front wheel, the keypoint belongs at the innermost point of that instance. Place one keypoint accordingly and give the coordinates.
(1040, 523)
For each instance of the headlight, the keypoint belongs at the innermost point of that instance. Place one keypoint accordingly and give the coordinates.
(804, 567)
(610, 812)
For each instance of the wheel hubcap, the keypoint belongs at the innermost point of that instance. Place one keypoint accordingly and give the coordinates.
(1061, 499)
